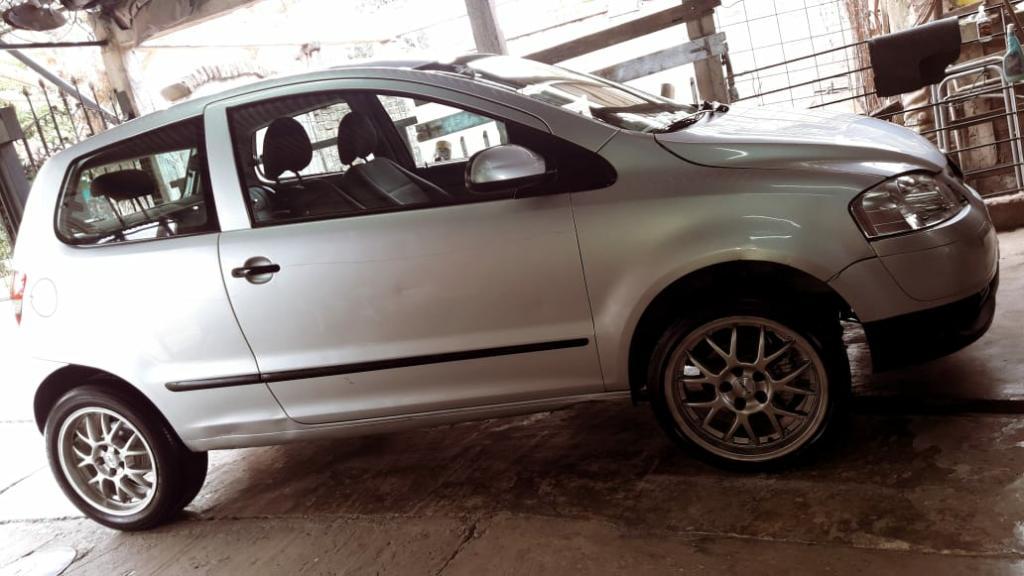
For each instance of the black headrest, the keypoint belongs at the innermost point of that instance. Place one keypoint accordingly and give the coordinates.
(915, 58)
(357, 138)
(123, 185)
(286, 148)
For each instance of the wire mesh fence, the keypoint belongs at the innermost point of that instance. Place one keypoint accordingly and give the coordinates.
(813, 54)
(789, 51)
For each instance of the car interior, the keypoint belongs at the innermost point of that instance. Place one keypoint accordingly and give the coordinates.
(364, 164)
(121, 195)
(371, 173)
(374, 169)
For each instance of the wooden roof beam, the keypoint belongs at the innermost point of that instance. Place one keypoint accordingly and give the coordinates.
(688, 11)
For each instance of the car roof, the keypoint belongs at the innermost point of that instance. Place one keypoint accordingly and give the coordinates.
(194, 106)
(375, 68)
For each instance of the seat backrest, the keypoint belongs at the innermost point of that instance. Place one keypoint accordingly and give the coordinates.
(379, 176)
(287, 148)
(123, 185)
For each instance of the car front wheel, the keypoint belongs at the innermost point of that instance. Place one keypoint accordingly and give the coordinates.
(116, 460)
(750, 387)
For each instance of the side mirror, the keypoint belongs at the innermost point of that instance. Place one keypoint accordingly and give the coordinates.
(505, 167)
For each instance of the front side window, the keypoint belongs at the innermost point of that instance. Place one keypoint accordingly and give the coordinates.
(151, 186)
(338, 154)
(440, 134)
(383, 152)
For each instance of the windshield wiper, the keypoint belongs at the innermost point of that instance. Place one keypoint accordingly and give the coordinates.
(688, 120)
(707, 107)
(714, 106)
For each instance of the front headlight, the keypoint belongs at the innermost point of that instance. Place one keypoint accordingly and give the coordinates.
(906, 203)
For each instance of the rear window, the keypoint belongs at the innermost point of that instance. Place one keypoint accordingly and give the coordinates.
(151, 186)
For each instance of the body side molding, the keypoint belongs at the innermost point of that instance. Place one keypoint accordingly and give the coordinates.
(372, 366)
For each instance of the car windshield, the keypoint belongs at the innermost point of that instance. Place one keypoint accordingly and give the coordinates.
(590, 96)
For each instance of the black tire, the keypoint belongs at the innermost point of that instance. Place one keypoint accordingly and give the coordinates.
(193, 471)
(164, 499)
(817, 328)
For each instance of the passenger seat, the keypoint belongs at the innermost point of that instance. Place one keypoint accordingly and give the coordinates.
(286, 148)
(380, 176)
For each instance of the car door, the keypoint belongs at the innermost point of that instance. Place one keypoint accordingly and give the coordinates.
(368, 313)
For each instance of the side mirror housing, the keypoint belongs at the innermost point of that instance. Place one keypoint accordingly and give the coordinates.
(503, 168)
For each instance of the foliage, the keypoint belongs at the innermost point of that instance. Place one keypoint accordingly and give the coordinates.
(5, 256)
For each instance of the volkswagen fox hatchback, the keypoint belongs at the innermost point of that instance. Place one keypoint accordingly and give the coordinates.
(414, 243)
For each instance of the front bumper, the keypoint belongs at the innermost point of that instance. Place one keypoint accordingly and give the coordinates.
(933, 333)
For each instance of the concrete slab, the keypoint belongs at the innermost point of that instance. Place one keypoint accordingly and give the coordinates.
(929, 484)
(287, 546)
(531, 545)
(594, 489)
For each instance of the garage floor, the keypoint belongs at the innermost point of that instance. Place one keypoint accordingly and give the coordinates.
(927, 478)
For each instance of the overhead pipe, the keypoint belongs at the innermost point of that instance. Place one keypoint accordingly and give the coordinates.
(60, 83)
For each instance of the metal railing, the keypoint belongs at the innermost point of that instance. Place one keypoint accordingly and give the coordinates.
(987, 83)
(974, 97)
(53, 118)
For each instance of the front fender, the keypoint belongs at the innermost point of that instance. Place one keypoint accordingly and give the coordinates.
(665, 219)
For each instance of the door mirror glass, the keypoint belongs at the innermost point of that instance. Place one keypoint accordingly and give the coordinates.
(504, 168)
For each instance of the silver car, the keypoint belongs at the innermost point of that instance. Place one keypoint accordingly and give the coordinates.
(414, 243)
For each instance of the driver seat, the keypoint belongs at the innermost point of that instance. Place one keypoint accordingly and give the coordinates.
(357, 139)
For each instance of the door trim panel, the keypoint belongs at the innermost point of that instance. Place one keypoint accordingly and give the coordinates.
(373, 366)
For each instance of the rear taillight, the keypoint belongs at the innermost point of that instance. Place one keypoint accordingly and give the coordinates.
(18, 283)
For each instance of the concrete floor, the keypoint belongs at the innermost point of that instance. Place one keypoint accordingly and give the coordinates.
(928, 477)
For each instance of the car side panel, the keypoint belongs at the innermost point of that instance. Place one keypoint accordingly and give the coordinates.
(184, 345)
(666, 218)
(148, 312)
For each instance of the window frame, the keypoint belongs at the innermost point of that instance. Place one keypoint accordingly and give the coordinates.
(75, 168)
(235, 211)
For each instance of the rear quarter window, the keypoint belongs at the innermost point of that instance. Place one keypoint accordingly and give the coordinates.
(151, 186)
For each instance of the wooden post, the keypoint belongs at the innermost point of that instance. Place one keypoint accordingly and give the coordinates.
(14, 184)
(709, 72)
(486, 32)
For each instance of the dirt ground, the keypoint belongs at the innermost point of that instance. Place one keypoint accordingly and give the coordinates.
(927, 477)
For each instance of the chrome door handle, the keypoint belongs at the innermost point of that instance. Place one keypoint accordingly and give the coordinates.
(257, 270)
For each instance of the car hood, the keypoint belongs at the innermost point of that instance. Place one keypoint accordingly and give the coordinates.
(809, 139)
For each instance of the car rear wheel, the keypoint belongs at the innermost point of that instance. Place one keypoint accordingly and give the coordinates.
(115, 459)
(751, 386)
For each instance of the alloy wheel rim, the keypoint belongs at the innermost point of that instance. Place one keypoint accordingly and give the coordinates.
(107, 461)
(747, 388)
